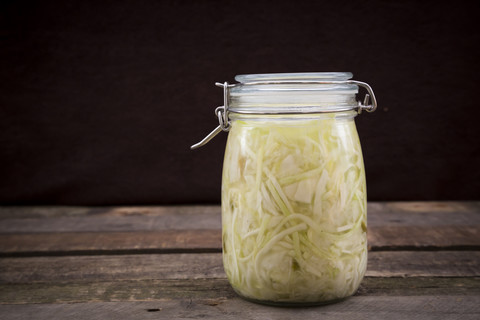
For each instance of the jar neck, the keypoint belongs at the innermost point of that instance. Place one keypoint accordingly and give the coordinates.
(343, 115)
(288, 103)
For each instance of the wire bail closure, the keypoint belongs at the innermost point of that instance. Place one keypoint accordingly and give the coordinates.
(222, 115)
(222, 111)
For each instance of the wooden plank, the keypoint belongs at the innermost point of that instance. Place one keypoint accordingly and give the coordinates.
(26, 212)
(110, 243)
(419, 286)
(201, 240)
(145, 290)
(117, 219)
(399, 209)
(425, 206)
(423, 237)
(209, 265)
(103, 268)
(424, 213)
(357, 307)
(423, 263)
(113, 219)
(110, 223)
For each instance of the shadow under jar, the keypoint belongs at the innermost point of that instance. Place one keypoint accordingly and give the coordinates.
(293, 188)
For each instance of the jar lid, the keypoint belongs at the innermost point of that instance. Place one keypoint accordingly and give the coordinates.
(289, 93)
(299, 76)
(308, 92)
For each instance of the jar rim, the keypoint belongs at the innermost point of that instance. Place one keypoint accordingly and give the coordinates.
(294, 77)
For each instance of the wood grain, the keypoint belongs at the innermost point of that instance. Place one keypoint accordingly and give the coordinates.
(151, 290)
(209, 265)
(149, 218)
(108, 219)
(201, 240)
(110, 242)
(25, 212)
(424, 237)
(33, 231)
(165, 262)
(220, 304)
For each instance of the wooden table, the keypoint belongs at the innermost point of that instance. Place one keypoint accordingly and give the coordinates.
(165, 263)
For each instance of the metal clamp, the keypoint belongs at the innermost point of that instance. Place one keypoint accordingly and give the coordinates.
(365, 105)
(222, 115)
(222, 111)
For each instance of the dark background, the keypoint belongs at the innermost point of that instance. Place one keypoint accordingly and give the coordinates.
(100, 100)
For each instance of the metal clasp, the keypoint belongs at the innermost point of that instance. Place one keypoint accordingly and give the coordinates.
(365, 105)
(222, 115)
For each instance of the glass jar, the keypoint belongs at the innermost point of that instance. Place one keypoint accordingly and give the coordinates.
(294, 226)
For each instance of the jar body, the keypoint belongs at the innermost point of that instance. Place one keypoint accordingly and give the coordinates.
(294, 208)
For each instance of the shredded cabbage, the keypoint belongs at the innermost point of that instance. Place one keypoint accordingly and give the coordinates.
(294, 209)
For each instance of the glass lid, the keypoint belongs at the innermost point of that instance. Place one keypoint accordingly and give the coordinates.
(293, 92)
(294, 77)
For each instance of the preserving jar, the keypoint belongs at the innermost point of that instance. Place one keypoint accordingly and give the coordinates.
(294, 224)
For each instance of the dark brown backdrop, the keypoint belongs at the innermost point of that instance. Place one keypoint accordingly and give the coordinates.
(100, 100)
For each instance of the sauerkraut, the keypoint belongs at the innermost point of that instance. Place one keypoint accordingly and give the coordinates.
(294, 209)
